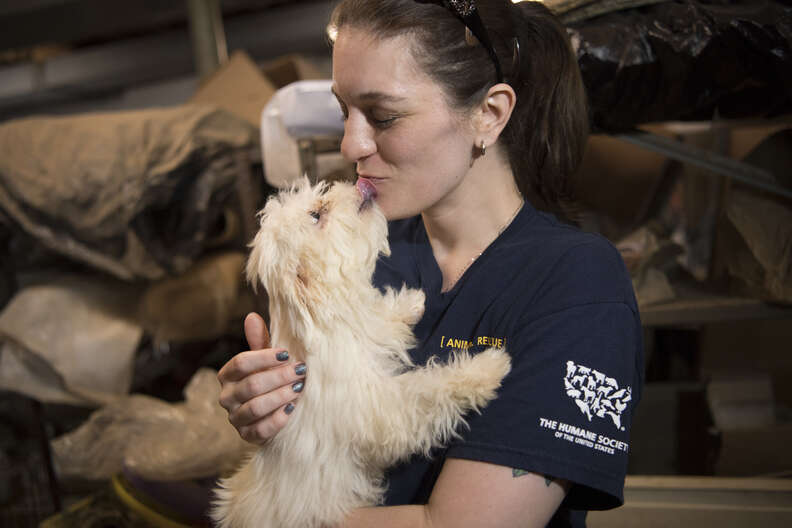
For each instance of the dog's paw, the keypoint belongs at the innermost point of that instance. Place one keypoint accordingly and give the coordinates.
(406, 305)
(481, 375)
(413, 303)
(494, 363)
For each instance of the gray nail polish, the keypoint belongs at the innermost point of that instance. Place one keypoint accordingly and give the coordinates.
(298, 387)
(300, 369)
(289, 408)
(282, 356)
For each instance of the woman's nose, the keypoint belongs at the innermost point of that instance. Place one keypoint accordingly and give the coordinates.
(358, 141)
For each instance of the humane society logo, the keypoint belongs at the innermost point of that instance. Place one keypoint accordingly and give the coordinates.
(595, 393)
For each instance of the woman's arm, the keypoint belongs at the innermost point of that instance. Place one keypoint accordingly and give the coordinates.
(472, 494)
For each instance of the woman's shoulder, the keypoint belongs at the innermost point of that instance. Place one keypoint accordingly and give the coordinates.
(545, 242)
(557, 238)
(567, 266)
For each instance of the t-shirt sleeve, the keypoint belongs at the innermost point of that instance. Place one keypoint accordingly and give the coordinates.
(566, 407)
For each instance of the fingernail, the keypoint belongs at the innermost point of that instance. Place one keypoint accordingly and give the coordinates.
(289, 408)
(282, 356)
(298, 387)
(300, 369)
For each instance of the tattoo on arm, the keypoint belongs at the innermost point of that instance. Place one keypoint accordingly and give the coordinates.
(520, 472)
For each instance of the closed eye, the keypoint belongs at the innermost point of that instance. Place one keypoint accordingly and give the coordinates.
(383, 122)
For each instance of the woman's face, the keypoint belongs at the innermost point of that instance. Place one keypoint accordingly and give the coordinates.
(399, 129)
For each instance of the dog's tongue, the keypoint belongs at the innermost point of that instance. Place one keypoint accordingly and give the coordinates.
(366, 190)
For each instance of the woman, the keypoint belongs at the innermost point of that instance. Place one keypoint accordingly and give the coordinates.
(454, 112)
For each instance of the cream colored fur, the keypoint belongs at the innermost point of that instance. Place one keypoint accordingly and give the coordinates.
(365, 406)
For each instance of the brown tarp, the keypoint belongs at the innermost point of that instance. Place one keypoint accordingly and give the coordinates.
(155, 439)
(131, 193)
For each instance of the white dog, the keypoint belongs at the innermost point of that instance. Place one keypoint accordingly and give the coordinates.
(365, 406)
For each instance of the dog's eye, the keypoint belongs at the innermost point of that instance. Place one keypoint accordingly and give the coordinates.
(315, 215)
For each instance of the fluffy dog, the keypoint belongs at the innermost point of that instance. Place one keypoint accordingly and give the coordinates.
(365, 406)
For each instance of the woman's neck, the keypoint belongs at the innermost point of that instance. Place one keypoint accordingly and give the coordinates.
(462, 225)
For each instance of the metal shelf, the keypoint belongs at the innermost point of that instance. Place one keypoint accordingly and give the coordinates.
(704, 309)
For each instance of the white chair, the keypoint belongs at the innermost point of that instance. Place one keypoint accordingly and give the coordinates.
(301, 130)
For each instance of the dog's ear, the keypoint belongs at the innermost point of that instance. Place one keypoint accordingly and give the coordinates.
(384, 248)
(254, 262)
(261, 247)
(382, 235)
(307, 291)
(303, 279)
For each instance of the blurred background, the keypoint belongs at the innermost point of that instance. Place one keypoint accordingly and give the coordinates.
(139, 138)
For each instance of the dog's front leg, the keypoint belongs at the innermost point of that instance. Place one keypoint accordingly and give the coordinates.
(405, 305)
(428, 403)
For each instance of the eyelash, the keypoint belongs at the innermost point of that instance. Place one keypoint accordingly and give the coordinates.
(378, 123)
(383, 123)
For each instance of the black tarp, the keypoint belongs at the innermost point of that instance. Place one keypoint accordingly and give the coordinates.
(687, 60)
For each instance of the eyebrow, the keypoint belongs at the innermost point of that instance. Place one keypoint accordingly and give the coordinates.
(372, 97)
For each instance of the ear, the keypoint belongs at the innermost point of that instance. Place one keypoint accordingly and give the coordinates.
(254, 261)
(302, 280)
(494, 113)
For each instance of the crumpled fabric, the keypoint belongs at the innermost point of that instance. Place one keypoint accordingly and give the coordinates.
(762, 259)
(154, 439)
(647, 255)
(134, 194)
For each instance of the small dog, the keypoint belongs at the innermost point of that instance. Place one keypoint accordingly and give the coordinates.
(365, 406)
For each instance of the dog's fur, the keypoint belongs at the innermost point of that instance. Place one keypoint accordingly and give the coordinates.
(364, 407)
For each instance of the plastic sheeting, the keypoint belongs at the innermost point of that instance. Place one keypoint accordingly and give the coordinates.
(134, 194)
(647, 256)
(154, 439)
(762, 259)
(687, 60)
(755, 231)
(70, 340)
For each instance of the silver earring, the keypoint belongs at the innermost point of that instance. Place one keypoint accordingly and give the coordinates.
(483, 148)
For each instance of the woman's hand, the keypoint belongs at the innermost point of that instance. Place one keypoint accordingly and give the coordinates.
(259, 387)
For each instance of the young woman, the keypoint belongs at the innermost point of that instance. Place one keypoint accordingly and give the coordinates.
(462, 117)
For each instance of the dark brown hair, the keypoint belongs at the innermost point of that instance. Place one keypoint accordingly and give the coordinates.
(546, 135)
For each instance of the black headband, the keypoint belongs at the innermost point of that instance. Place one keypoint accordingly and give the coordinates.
(465, 11)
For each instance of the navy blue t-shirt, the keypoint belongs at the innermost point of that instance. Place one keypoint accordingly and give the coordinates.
(561, 303)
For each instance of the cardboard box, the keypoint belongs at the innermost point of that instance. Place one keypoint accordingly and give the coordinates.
(290, 68)
(238, 86)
